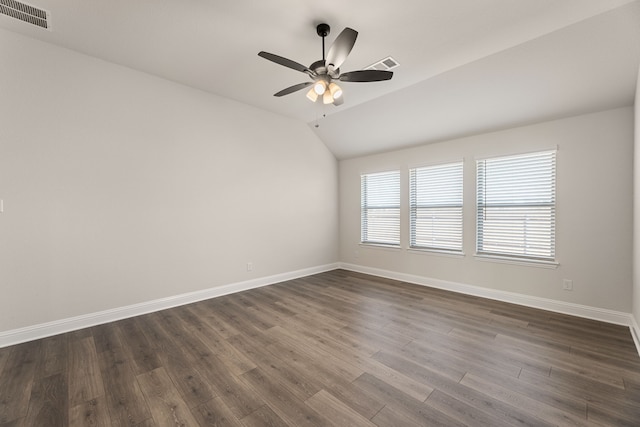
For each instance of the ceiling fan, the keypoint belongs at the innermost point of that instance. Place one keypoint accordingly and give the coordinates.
(325, 72)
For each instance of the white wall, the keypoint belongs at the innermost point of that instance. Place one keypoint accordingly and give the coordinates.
(636, 212)
(120, 188)
(594, 211)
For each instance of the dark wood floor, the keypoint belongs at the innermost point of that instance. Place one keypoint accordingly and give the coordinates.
(338, 349)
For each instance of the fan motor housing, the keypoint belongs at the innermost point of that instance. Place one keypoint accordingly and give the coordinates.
(319, 67)
(323, 30)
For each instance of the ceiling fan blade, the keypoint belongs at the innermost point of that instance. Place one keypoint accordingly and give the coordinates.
(286, 62)
(341, 47)
(293, 88)
(366, 76)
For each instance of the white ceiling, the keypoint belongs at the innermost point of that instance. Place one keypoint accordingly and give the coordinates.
(467, 66)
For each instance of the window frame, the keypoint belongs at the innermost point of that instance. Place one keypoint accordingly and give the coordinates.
(366, 208)
(440, 172)
(532, 213)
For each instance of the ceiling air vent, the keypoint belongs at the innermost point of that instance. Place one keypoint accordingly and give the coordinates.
(385, 64)
(25, 12)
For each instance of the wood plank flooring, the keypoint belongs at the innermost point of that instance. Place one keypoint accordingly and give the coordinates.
(334, 349)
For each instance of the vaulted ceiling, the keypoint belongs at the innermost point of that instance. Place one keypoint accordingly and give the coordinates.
(466, 66)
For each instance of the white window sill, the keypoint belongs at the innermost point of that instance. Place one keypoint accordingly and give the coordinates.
(436, 252)
(380, 246)
(517, 261)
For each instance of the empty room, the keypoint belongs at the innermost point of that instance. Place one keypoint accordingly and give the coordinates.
(293, 213)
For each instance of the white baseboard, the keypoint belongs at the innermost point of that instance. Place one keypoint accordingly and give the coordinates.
(635, 333)
(594, 313)
(17, 336)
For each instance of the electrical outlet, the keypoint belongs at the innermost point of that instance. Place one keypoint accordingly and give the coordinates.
(567, 285)
(249, 266)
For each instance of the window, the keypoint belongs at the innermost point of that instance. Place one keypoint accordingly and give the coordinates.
(435, 206)
(517, 206)
(380, 203)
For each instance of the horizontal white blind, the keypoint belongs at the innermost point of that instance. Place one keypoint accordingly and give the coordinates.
(380, 208)
(517, 206)
(435, 204)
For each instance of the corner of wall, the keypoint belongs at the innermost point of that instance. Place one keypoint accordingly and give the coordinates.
(635, 304)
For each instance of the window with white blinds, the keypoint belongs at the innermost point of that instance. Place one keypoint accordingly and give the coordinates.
(516, 201)
(380, 208)
(435, 207)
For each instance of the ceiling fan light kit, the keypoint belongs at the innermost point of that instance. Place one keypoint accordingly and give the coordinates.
(335, 90)
(325, 71)
(312, 95)
(320, 87)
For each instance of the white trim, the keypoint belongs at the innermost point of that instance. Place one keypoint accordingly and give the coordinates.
(517, 261)
(381, 246)
(43, 330)
(594, 313)
(635, 333)
(436, 252)
(555, 148)
(396, 248)
(435, 163)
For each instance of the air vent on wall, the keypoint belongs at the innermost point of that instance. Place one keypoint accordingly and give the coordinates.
(385, 64)
(25, 12)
